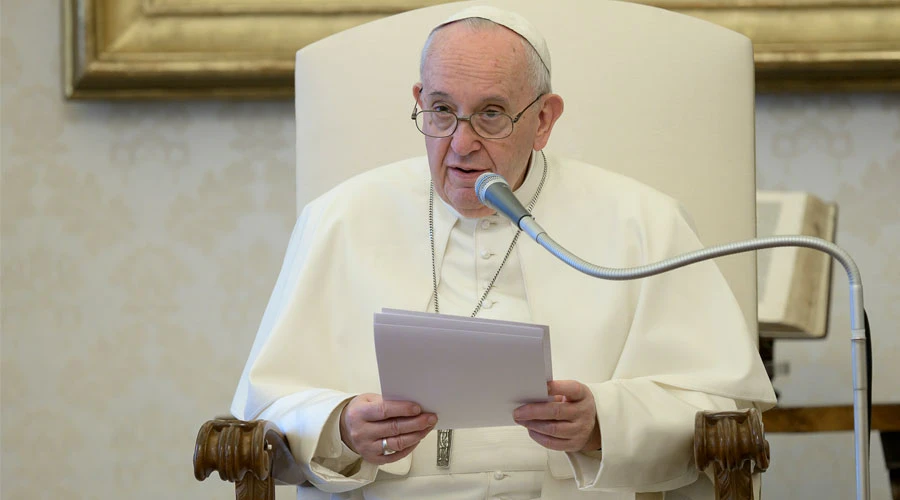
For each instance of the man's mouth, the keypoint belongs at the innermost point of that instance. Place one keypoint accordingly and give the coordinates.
(468, 170)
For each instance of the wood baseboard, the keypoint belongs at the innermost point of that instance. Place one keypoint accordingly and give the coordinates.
(885, 417)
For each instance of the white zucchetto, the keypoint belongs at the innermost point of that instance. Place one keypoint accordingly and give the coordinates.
(510, 20)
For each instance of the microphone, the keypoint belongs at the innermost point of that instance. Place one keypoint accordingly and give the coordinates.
(493, 191)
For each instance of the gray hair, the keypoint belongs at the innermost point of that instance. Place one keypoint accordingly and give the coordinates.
(538, 75)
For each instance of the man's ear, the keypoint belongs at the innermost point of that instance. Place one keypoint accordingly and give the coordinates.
(417, 92)
(550, 111)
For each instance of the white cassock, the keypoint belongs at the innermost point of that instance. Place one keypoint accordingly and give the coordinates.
(653, 351)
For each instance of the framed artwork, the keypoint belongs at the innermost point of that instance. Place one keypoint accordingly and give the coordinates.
(170, 49)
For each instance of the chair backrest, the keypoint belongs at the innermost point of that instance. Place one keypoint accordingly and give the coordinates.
(662, 97)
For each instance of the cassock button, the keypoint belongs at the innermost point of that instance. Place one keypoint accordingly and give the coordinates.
(485, 224)
(488, 304)
(499, 475)
(486, 254)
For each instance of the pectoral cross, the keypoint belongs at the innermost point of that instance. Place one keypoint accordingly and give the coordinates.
(443, 447)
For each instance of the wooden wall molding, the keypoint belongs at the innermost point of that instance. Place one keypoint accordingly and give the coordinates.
(168, 49)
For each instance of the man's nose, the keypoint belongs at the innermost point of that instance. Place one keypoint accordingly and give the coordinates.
(464, 139)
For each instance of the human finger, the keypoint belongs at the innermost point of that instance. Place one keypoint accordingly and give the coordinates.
(546, 411)
(404, 441)
(562, 429)
(571, 390)
(378, 458)
(356, 426)
(373, 408)
(403, 425)
(553, 443)
(401, 446)
(361, 434)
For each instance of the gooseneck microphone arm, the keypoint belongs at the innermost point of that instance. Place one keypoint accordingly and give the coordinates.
(492, 191)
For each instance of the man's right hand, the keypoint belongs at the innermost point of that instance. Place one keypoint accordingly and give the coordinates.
(367, 419)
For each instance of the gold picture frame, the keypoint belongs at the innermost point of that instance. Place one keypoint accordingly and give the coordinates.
(168, 49)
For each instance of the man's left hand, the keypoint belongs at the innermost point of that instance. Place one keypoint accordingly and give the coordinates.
(568, 423)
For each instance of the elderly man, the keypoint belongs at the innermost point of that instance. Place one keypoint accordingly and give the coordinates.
(635, 360)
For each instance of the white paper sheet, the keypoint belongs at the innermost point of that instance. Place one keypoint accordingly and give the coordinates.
(470, 372)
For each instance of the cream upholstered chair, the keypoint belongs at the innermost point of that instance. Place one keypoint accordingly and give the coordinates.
(662, 97)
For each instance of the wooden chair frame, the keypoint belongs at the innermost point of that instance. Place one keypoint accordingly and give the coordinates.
(252, 454)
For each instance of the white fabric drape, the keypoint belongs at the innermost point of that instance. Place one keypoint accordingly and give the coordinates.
(653, 351)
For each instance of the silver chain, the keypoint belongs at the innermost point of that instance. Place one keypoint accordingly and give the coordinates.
(505, 257)
(444, 436)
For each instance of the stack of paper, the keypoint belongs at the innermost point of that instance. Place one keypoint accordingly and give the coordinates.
(470, 372)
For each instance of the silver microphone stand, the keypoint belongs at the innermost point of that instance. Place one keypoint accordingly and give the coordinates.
(857, 314)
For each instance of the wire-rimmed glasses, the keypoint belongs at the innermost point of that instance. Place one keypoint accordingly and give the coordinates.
(487, 124)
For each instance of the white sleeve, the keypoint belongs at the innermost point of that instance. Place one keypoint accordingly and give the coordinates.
(293, 386)
(334, 467)
(687, 350)
(635, 417)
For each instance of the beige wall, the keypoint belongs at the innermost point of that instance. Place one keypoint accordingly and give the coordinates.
(844, 148)
(140, 242)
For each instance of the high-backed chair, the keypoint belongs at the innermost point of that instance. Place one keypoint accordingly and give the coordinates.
(661, 97)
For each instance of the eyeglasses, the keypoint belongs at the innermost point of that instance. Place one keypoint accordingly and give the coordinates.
(487, 124)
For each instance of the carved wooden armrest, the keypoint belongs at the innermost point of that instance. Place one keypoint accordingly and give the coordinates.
(734, 445)
(249, 454)
(252, 454)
